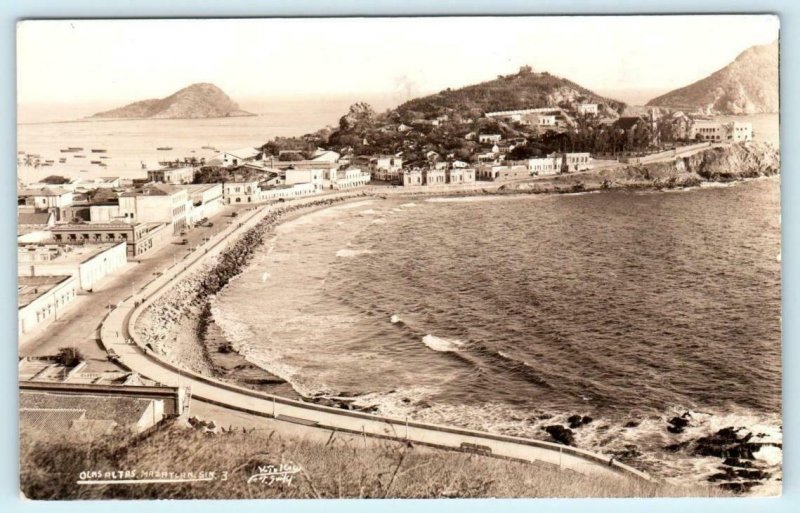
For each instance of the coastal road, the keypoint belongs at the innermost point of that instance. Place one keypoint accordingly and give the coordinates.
(115, 333)
(78, 324)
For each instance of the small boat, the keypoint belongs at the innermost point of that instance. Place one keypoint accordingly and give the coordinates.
(96, 162)
(164, 148)
(62, 160)
(80, 156)
(50, 161)
(47, 164)
(84, 171)
(98, 151)
(103, 157)
(206, 147)
(74, 148)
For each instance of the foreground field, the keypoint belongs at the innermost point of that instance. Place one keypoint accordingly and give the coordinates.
(341, 468)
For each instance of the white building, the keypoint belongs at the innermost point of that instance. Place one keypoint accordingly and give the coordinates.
(587, 109)
(287, 191)
(544, 166)
(155, 203)
(707, 130)
(173, 175)
(90, 263)
(41, 299)
(489, 138)
(204, 201)
(315, 177)
(240, 192)
(741, 131)
(234, 158)
(328, 156)
(348, 178)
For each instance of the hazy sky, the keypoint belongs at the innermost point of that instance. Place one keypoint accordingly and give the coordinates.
(126, 60)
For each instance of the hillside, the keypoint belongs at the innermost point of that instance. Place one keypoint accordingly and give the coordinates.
(748, 85)
(526, 89)
(193, 102)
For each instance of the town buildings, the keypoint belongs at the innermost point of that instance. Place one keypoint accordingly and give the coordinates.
(412, 177)
(234, 158)
(572, 162)
(489, 138)
(503, 172)
(173, 175)
(246, 191)
(140, 238)
(40, 299)
(434, 176)
(313, 176)
(90, 263)
(460, 175)
(46, 199)
(347, 178)
(32, 221)
(586, 109)
(205, 200)
(544, 166)
(156, 203)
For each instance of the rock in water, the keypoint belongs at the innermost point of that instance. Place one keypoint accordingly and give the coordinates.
(561, 434)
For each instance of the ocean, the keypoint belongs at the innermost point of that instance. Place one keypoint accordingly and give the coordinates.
(508, 314)
(44, 130)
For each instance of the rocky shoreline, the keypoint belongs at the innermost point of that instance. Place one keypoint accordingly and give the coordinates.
(179, 325)
(715, 165)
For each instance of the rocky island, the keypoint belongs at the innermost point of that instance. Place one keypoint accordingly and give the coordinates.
(196, 101)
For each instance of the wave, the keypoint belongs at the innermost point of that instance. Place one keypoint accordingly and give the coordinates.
(442, 345)
(348, 253)
(470, 199)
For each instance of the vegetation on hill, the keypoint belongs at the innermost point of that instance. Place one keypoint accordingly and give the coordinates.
(444, 125)
(524, 90)
(345, 467)
(748, 85)
(195, 101)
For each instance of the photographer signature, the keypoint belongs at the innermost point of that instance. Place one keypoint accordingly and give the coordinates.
(271, 474)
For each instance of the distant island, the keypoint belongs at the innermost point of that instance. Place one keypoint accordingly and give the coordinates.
(748, 85)
(197, 101)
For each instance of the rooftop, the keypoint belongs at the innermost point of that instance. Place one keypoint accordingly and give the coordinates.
(65, 253)
(31, 287)
(124, 411)
(33, 217)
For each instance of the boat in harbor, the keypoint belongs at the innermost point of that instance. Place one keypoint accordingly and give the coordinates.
(164, 148)
(95, 150)
(62, 160)
(103, 156)
(80, 156)
(96, 162)
(75, 148)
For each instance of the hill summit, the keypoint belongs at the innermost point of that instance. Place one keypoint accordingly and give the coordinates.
(524, 90)
(748, 85)
(196, 101)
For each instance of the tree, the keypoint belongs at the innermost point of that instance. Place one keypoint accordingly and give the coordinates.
(359, 117)
(55, 180)
(69, 356)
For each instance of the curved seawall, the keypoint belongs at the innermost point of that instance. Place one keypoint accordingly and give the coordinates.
(136, 357)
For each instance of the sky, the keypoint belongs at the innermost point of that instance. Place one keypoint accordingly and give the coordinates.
(119, 61)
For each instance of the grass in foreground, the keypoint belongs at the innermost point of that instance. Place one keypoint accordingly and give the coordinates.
(343, 468)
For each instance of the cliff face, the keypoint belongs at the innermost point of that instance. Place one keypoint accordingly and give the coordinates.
(748, 85)
(193, 102)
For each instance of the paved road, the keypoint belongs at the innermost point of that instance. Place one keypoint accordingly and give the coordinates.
(115, 332)
(79, 323)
